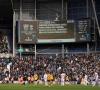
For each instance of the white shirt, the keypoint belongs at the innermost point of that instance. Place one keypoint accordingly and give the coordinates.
(96, 76)
(45, 77)
(85, 77)
(62, 76)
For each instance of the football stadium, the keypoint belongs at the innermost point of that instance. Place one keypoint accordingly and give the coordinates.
(49, 44)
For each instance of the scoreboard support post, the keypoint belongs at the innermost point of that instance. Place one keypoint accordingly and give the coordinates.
(35, 51)
(62, 50)
(62, 9)
(20, 53)
(35, 10)
(87, 47)
(14, 33)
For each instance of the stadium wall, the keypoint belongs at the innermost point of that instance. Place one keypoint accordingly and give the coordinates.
(47, 11)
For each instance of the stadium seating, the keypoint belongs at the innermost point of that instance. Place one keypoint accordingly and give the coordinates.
(4, 57)
(74, 66)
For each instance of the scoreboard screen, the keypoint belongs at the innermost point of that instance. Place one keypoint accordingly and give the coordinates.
(83, 31)
(27, 32)
(49, 31)
(55, 31)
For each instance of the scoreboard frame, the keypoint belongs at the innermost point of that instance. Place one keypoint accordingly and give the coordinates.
(62, 31)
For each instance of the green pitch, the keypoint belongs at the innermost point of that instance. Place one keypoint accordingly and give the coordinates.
(42, 87)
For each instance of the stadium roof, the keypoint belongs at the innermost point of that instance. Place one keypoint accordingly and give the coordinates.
(6, 13)
(6, 9)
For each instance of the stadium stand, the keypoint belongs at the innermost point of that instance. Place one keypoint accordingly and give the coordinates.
(53, 57)
(75, 67)
(4, 57)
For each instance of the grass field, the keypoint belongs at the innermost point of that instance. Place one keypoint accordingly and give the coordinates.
(42, 87)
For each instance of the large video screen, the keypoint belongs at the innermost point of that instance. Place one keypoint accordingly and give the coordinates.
(48, 31)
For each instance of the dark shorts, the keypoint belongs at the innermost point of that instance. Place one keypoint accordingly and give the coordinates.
(49, 80)
(67, 80)
(52, 80)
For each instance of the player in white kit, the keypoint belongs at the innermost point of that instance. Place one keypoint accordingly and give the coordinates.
(62, 79)
(96, 77)
(45, 79)
(85, 80)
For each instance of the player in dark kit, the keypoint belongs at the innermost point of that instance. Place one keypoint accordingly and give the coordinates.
(24, 80)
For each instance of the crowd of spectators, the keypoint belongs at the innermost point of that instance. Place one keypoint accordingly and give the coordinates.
(74, 66)
(3, 45)
(3, 56)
